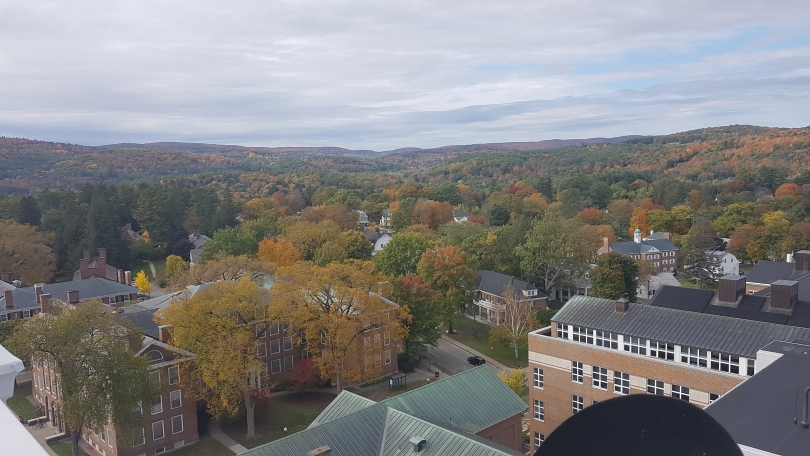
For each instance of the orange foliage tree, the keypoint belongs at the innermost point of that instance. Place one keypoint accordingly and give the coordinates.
(592, 216)
(790, 189)
(280, 252)
(639, 220)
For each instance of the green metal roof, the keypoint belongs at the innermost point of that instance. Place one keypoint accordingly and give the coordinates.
(446, 413)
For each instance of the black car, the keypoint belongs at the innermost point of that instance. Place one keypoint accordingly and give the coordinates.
(476, 360)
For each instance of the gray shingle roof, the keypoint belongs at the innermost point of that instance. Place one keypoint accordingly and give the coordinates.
(718, 333)
(142, 318)
(767, 272)
(495, 282)
(444, 413)
(24, 298)
(635, 248)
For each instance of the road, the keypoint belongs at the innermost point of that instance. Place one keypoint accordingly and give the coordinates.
(449, 359)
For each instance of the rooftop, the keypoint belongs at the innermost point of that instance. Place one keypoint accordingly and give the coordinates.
(759, 413)
(24, 298)
(495, 282)
(645, 246)
(767, 272)
(717, 333)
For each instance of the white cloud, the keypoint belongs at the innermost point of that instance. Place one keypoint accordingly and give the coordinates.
(374, 74)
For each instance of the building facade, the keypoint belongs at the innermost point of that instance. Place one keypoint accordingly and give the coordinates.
(656, 249)
(489, 302)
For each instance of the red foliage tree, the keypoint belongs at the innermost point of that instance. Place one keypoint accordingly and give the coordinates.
(305, 375)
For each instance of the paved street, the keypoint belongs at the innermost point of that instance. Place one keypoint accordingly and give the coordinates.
(450, 358)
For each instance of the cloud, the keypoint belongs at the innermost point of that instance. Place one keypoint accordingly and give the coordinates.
(383, 75)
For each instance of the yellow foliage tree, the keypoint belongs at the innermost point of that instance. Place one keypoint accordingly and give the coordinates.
(175, 266)
(23, 253)
(142, 282)
(516, 380)
(335, 311)
(280, 252)
(218, 325)
(146, 237)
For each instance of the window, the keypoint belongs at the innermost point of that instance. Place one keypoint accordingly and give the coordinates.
(261, 330)
(175, 399)
(275, 347)
(388, 357)
(713, 397)
(303, 335)
(366, 341)
(160, 450)
(157, 430)
(288, 363)
(26, 313)
(177, 424)
(174, 375)
(600, 378)
(562, 331)
(607, 339)
(137, 412)
(680, 392)
(377, 360)
(261, 350)
(538, 378)
(287, 344)
(275, 366)
(621, 382)
(386, 339)
(285, 327)
(635, 345)
(655, 387)
(138, 437)
(693, 356)
(304, 354)
(109, 437)
(657, 264)
(725, 363)
(750, 367)
(154, 355)
(539, 410)
(376, 341)
(274, 329)
(576, 372)
(538, 439)
(577, 403)
(662, 350)
(154, 378)
(157, 405)
(581, 334)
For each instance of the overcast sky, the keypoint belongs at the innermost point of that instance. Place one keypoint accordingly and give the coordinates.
(388, 74)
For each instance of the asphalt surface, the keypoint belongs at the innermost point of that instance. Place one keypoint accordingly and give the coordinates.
(449, 359)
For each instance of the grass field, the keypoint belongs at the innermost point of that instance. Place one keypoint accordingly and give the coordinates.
(19, 403)
(475, 335)
(293, 411)
(65, 449)
(207, 446)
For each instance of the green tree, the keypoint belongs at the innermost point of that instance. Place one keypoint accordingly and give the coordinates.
(697, 264)
(100, 378)
(356, 245)
(455, 233)
(615, 276)
(402, 254)
(423, 325)
(308, 237)
(734, 216)
(230, 241)
(518, 320)
(556, 250)
(28, 212)
(445, 270)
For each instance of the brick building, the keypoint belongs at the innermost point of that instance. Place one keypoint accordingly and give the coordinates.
(657, 249)
(765, 272)
(488, 302)
(168, 423)
(694, 345)
(97, 267)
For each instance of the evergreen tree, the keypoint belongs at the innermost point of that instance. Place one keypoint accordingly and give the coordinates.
(28, 212)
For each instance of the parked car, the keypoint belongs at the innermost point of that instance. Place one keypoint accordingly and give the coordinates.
(476, 360)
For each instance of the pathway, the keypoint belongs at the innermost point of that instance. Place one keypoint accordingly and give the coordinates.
(216, 432)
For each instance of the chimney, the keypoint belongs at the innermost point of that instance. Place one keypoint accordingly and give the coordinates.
(637, 236)
(120, 277)
(606, 244)
(163, 334)
(668, 236)
(73, 297)
(802, 260)
(731, 287)
(86, 254)
(44, 301)
(652, 232)
(418, 443)
(622, 305)
(789, 258)
(38, 291)
(102, 253)
(5, 276)
(784, 294)
(128, 277)
(320, 451)
(9, 297)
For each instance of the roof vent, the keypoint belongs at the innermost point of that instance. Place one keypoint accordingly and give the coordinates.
(784, 294)
(731, 288)
(802, 260)
(320, 451)
(418, 443)
(622, 305)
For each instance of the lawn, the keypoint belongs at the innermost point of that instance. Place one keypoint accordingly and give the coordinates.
(475, 335)
(688, 283)
(160, 265)
(207, 446)
(66, 449)
(293, 411)
(19, 403)
(138, 267)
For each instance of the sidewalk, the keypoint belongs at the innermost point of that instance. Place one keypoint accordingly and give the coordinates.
(216, 432)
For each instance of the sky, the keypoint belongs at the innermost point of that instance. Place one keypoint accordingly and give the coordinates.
(383, 75)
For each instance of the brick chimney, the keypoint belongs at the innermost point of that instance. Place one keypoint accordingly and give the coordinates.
(44, 301)
(163, 334)
(120, 277)
(73, 296)
(86, 254)
(5, 277)
(622, 305)
(731, 287)
(38, 291)
(128, 277)
(9, 297)
(784, 294)
(606, 244)
(668, 236)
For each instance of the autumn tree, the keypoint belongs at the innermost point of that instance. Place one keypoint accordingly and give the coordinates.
(515, 380)
(175, 266)
(305, 375)
(23, 253)
(696, 199)
(142, 282)
(615, 276)
(639, 221)
(279, 251)
(401, 255)
(218, 325)
(445, 270)
(331, 309)
(423, 325)
(308, 237)
(225, 269)
(100, 378)
(789, 189)
(518, 319)
(556, 250)
(592, 216)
